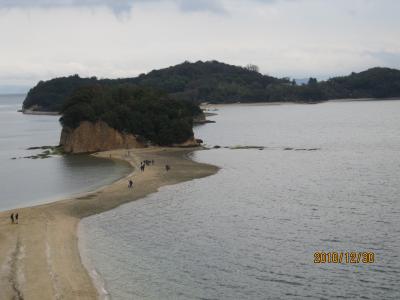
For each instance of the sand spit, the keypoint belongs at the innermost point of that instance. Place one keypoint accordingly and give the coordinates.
(39, 257)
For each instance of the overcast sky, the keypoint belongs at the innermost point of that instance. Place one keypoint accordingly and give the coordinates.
(41, 39)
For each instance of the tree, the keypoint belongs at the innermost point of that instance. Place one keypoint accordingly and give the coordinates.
(252, 68)
(312, 81)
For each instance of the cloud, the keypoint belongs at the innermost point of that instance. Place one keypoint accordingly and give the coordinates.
(297, 38)
(125, 6)
(202, 5)
(117, 6)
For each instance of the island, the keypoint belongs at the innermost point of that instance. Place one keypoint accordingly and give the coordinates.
(39, 256)
(216, 82)
(100, 118)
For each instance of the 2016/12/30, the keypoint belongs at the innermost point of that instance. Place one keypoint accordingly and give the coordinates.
(344, 257)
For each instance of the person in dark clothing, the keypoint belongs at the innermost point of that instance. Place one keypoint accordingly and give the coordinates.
(130, 183)
(16, 218)
(12, 218)
(167, 168)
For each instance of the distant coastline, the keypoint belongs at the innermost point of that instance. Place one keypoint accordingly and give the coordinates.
(39, 112)
(210, 105)
(218, 82)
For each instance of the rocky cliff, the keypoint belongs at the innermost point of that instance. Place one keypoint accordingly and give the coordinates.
(94, 137)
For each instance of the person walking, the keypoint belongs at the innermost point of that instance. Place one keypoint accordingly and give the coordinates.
(16, 218)
(12, 218)
(130, 183)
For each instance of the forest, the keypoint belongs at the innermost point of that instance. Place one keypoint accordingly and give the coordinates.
(217, 82)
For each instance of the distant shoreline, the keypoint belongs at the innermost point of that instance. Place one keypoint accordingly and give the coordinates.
(208, 105)
(211, 105)
(38, 112)
(39, 257)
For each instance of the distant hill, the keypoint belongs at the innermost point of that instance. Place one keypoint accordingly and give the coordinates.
(217, 82)
(211, 81)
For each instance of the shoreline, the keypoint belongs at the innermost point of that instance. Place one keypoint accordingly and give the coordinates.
(311, 102)
(40, 258)
(27, 111)
(208, 105)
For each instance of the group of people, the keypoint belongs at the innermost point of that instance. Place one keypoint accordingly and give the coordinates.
(145, 163)
(14, 218)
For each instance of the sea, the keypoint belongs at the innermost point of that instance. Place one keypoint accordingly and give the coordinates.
(295, 180)
(26, 181)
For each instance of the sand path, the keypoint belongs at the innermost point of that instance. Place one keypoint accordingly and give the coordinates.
(39, 257)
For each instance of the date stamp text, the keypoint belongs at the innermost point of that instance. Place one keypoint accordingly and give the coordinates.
(344, 257)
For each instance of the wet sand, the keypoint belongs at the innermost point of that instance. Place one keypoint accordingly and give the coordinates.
(39, 257)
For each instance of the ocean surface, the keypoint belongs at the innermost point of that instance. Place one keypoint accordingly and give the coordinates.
(23, 181)
(328, 180)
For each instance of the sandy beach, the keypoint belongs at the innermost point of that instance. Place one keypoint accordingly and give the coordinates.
(39, 257)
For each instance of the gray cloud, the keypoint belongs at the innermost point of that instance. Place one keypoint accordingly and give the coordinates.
(208, 5)
(298, 38)
(117, 6)
(122, 6)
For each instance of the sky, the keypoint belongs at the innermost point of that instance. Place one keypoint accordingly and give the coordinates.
(42, 39)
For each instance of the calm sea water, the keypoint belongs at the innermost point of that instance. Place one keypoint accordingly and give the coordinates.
(251, 230)
(24, 182)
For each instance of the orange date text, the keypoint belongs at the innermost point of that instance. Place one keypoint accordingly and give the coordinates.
(344, 257)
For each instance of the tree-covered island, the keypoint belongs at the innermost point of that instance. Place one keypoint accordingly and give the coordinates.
(216, 82)
(159, 107)
(146, 113)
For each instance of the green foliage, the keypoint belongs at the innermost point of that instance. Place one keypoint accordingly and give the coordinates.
(210, 81)
(216, 82)
(141, 111)
(373, 83)
(50, 95)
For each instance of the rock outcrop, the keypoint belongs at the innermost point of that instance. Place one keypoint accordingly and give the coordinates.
(201, 119)
(192, 142)
(94, 137)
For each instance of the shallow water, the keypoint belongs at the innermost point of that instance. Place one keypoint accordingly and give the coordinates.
(251, 230)
(25, 182)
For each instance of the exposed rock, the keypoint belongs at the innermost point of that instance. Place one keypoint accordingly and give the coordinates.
(201, 119)
(94, 137)
(192, 142)
(42, 147)
(36, 110)
(247, 147)
(307, 149)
